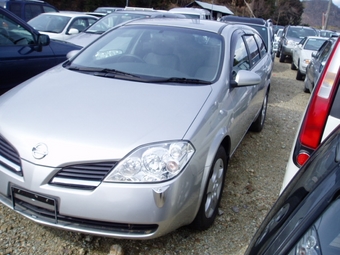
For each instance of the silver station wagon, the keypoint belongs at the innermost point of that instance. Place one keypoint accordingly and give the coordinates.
(131, 137)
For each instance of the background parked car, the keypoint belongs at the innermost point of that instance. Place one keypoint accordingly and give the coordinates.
(24, 52)
(114, 19)
(152, 111)
(315, 67)
(277, 39)
(302, 54)
(62, 25)
(192, 13)
(27, 9)
(322, 115)
(305, 218)
(264, 27)
(290, 37)
(107, 10)
(326, 33)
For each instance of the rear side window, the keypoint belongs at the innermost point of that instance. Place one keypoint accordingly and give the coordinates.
(325, 51)
(16, 9)
(49, 9)
(32, 10)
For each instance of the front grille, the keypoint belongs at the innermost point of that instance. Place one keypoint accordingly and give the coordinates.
(85, 176)
(9, 157)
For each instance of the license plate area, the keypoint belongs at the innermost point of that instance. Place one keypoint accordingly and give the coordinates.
(34, 205)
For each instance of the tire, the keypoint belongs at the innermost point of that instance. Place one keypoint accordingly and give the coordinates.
(282, 57)
(208, 210)
(277, 53)
(258, 124)
(292, 66)
(305, 88)
(299, 75)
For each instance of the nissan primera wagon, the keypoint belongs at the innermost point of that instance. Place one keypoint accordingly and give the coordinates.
(131, 137)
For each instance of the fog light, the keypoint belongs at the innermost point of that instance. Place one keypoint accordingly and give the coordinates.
(302, 158)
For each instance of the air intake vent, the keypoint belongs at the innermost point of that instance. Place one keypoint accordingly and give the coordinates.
(84, 176)
(9, 157)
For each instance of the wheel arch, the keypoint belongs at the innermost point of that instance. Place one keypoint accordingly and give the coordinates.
(225, 142)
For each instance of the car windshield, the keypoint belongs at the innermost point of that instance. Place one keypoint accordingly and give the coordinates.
(298, 32)
(153, 54)
(49, 23)
(314, 44)
(112, 20)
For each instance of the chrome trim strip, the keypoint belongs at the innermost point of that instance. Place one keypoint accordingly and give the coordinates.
(58, 180)
(10, 164)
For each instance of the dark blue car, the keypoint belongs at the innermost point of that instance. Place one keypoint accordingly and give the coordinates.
(24, 52)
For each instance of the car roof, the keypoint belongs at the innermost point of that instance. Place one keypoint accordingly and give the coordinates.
(207, 25)
(67, 14)
(238, 19)
(155, 13)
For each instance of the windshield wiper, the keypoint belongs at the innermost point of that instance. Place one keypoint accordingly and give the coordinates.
(106, 72)
(98, 32)
(182, 80)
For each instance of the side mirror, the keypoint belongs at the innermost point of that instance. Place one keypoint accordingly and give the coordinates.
(73, 31)
(247, 78)
(43, 40)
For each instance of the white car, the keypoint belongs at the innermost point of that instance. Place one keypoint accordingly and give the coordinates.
(61, 25)
(302, 54)
(277, 38)
(321, 117)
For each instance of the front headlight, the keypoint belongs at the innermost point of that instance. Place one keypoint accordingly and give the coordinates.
(308, 244)
(306, 61)
(291, 43)
(153, 163)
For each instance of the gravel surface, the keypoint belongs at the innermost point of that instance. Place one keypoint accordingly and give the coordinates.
(253, 183)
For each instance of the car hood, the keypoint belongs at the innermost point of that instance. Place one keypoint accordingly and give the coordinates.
(81, 117)
(306, 54)
(83, 39)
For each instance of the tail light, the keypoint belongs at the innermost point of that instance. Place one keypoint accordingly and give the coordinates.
(319, 107)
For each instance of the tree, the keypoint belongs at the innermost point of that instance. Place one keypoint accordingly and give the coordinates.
(288, 12)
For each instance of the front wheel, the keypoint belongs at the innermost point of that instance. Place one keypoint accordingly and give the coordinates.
(277, 53)
(212, 193)
(258, 124)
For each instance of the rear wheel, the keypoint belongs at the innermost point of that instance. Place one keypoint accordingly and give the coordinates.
(258, 124)
(282, 57)
(212, 193)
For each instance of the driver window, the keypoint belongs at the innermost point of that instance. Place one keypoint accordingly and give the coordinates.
(12, 33)
(241, 59)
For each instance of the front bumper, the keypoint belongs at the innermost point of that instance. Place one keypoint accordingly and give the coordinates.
(287, 50)
(131, 211)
